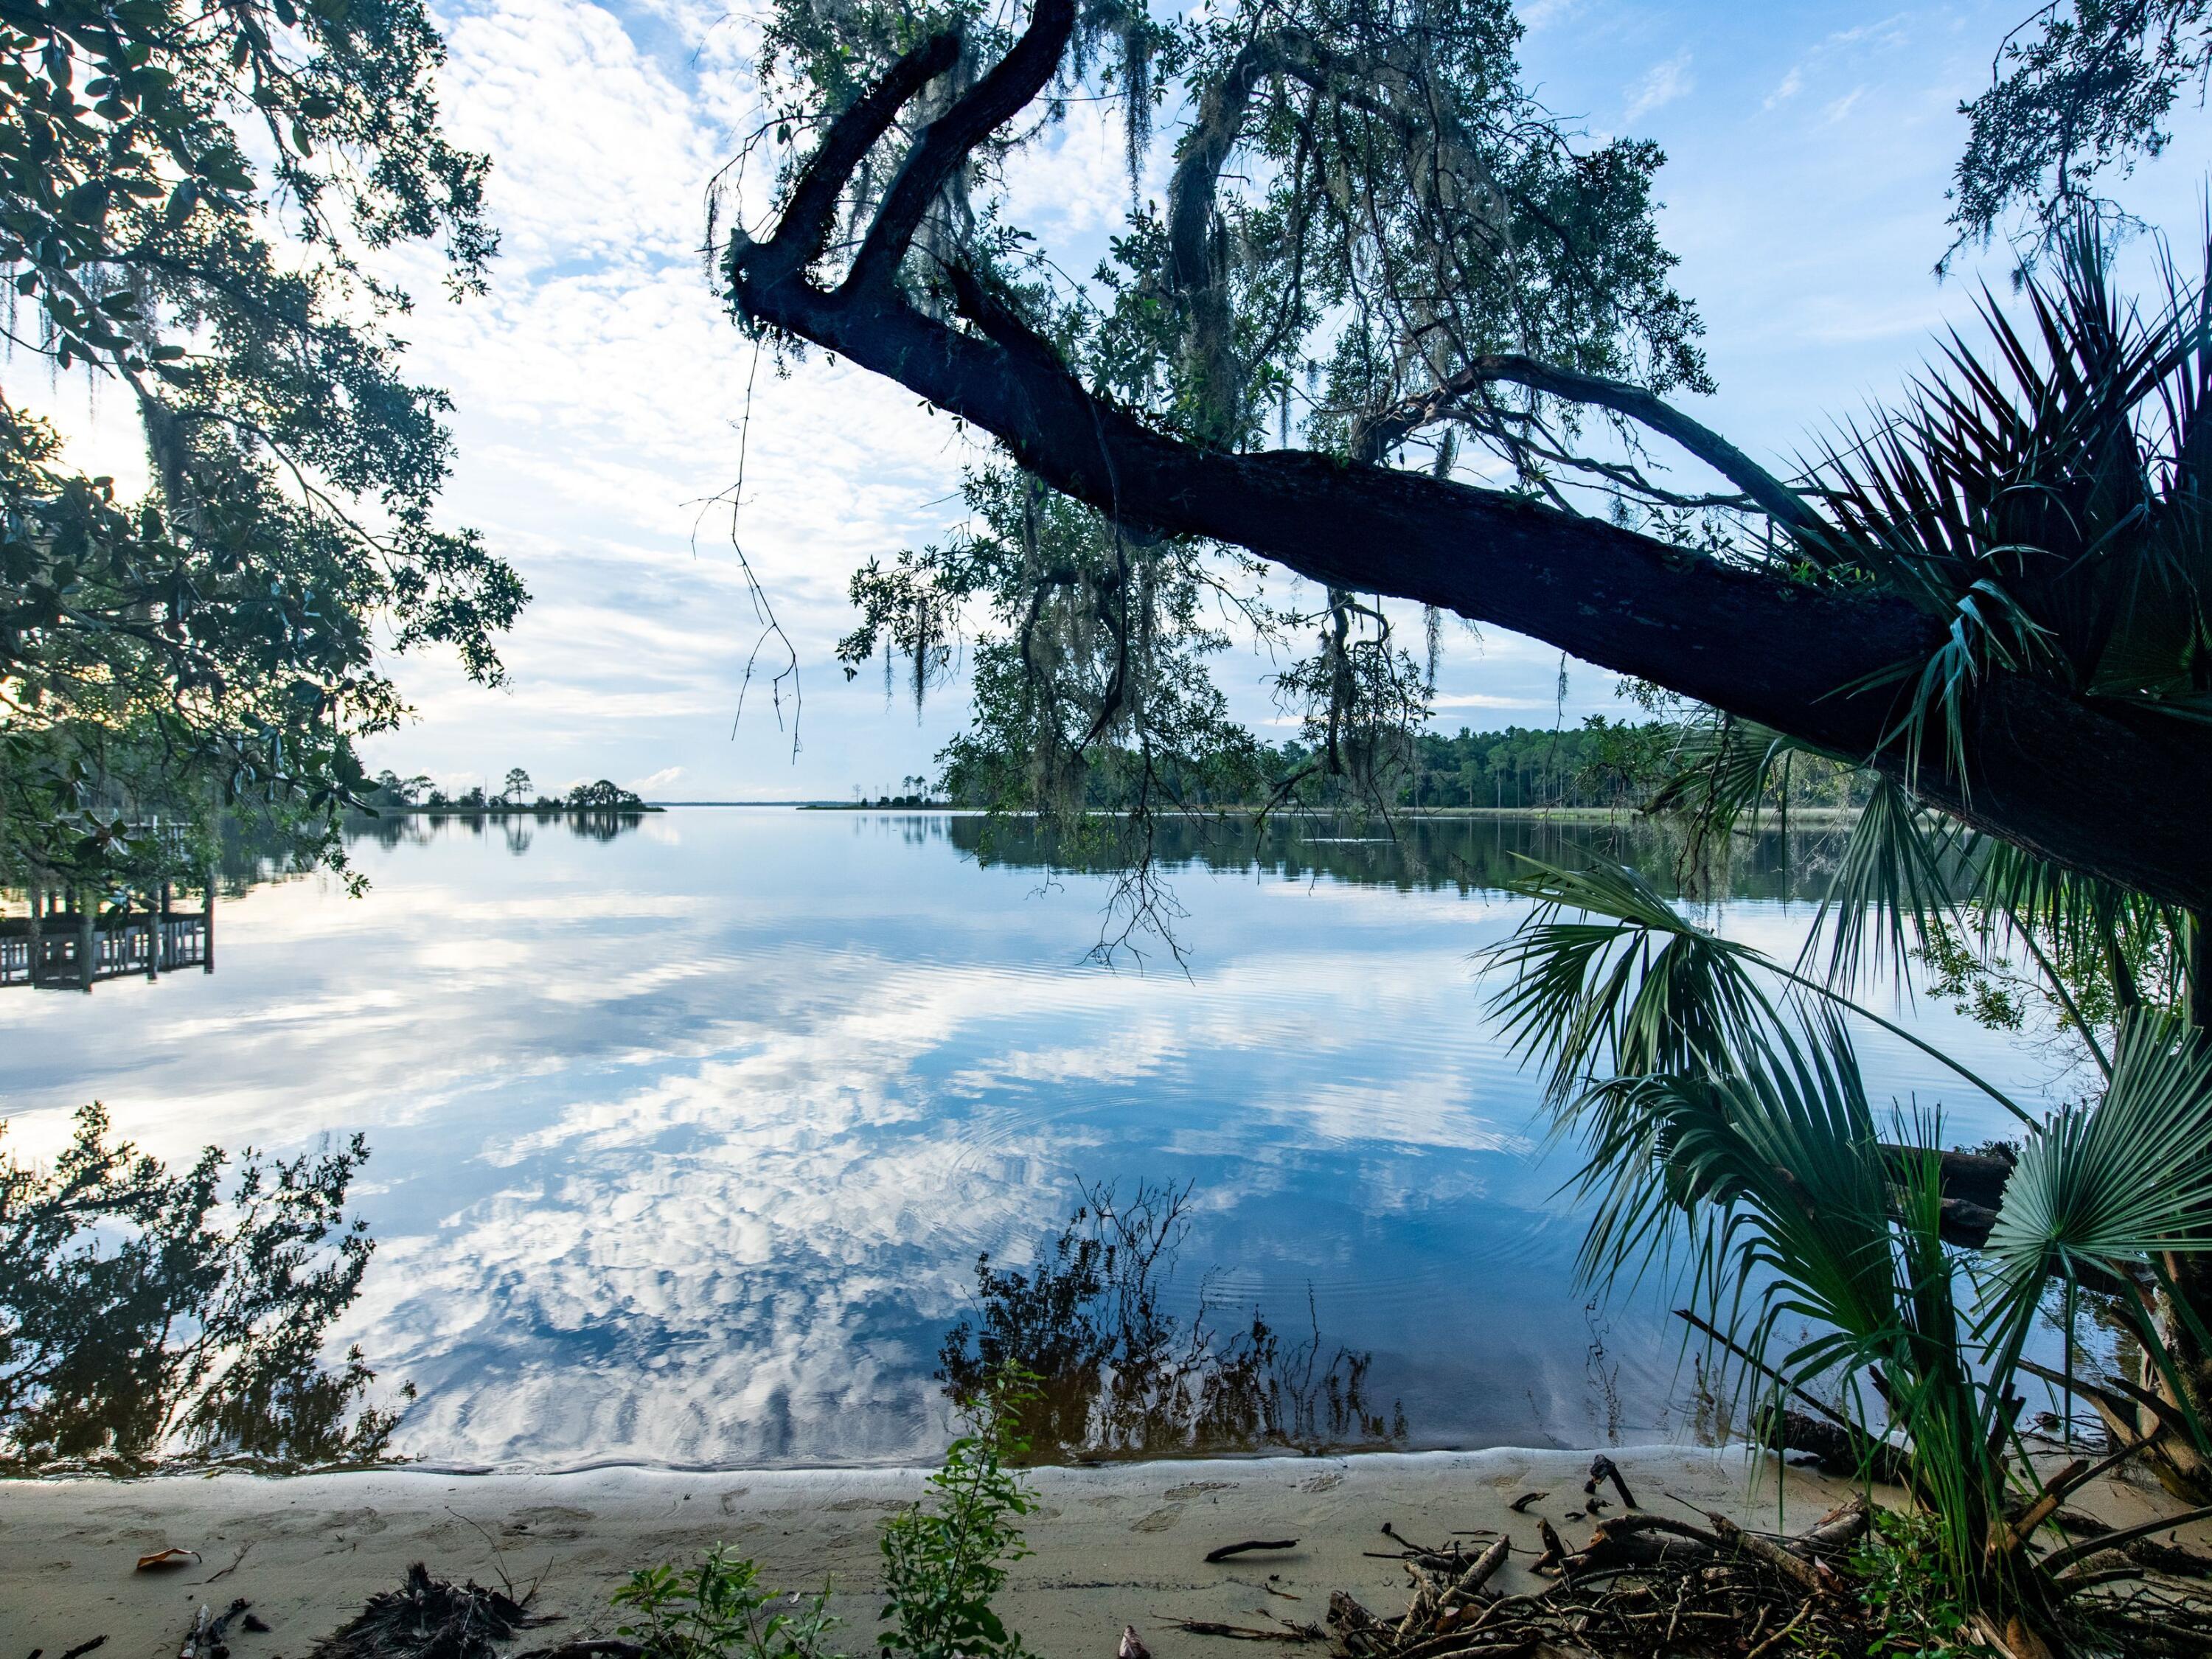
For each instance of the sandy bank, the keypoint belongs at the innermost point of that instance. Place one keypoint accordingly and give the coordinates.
(1112, 1545)
(1117, 1545)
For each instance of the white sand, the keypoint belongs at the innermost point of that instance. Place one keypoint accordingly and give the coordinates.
(1113, 1546)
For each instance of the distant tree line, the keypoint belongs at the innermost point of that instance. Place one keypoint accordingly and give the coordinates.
(1602, 764)
(390, 792)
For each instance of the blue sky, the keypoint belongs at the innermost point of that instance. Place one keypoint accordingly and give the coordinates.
(601, 396)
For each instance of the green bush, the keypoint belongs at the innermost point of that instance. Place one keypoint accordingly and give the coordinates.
(945, 1559)
(1908, 1592)
(717, 1610)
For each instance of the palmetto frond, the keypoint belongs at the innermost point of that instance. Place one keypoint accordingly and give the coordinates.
(1714, 1115)
(2044, 499)
(1723, 768)
(2115, 1184)
(1901, 877)
(2075, 914)
(1607, 976)
(1776, 1171)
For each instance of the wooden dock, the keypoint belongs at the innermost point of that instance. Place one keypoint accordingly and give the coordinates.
(63, 947)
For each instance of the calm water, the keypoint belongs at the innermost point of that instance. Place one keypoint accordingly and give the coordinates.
(685, 1141)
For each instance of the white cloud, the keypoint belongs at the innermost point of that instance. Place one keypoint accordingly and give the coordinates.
(1482, 700)
(660, 780)
(1537, 14)
(1792, 84)
(1660, 86)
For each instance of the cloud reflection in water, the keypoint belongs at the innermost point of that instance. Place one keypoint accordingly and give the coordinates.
(685, 1143)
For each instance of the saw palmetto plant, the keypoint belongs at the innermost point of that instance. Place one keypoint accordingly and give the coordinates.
(2045, 497)
(1730, 1134)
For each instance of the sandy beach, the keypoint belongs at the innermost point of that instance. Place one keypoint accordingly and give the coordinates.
(1118, 1545)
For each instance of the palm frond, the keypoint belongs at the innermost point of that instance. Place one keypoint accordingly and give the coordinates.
(1643, 990)
(2043, 499)
(1723, 767)
(1819, 1257)
(2111, 1185)
(1898, 881)
(1607, 976)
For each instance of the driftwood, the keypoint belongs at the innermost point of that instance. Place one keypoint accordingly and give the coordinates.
(1604, 1468)
(426, 1618)
(2169, 1559)
(1840, 1529)
(1648, 1586)
(1250, 1545)
(1840, 1451)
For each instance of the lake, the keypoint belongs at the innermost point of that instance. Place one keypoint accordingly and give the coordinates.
(686, 1136)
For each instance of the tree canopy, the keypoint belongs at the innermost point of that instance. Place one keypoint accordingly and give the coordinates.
(2079, 94)
(192, 202)
(1416, 342)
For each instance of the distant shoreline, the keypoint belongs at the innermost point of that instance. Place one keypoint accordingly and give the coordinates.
(530, 812)
(1808, 817)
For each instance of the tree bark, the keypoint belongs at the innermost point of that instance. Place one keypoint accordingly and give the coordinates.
(2076, 783)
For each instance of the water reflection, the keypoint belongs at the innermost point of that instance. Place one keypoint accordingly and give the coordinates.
(1118, 1373)
(73, 942)
(1459, 853)
(688, 1141)
(150, 1316)
(516, 829)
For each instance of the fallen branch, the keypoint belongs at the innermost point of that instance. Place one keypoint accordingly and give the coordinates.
(1250, 1545)
(2058, 1560)
(1289, 1632)
(1477, 1576)
(1798, 1570)
(1604, 1468)
(1839, 1528)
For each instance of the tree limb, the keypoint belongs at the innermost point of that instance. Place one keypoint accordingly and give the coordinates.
(2121, 797)
(946, 142)
(1773, 497)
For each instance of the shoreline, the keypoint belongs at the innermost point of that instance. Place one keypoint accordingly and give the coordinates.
(1111, 1544)
(1114, 1544)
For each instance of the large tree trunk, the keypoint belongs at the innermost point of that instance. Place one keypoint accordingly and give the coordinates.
(2073, 781)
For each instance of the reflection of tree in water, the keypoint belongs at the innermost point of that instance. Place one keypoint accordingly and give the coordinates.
(1119, 1376)
(603, 826)
(1456, 852)
(396, 828)
(146, 1318)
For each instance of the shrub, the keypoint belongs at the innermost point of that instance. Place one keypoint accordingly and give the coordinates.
(718, 1610)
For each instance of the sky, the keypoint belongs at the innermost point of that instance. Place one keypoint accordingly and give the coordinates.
(608, 414)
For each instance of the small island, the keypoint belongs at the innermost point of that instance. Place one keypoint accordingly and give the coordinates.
(392, 795)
